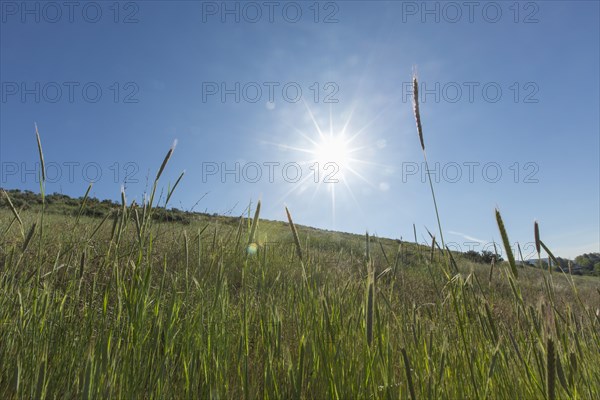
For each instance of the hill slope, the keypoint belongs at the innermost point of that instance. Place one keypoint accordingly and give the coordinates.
(128, 305)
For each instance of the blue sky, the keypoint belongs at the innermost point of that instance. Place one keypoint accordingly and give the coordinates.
(510, 110)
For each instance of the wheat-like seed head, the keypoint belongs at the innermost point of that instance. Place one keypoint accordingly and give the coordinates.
(294, 234)
(536, 233)
(166, 160)
(416, 110)
(123, 199)
(505, 241)
(41, 153)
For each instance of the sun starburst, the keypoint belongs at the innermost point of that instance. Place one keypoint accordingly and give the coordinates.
(335, 158)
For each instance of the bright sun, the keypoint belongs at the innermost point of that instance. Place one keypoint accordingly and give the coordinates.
(333, 158)
(333, 149)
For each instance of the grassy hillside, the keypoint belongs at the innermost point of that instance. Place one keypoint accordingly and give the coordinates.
(130, 306)
(124, 301)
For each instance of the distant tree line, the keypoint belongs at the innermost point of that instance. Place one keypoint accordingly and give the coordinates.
(585, 264)
(485, 257)
(589, 262)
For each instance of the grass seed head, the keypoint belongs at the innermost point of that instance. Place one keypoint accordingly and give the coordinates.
(536, 233)
(506, 242)
(416, 110)
(294, 234)
(41, 153)
(166, 160)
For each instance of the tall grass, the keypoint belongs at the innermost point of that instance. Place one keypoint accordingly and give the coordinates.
(143, 309)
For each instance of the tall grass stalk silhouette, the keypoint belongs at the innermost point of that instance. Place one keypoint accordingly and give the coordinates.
(417, 114)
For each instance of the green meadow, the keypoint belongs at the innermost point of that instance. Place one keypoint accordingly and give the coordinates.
(130, 303)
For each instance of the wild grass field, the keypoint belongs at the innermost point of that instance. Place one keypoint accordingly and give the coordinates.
(124, 306)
